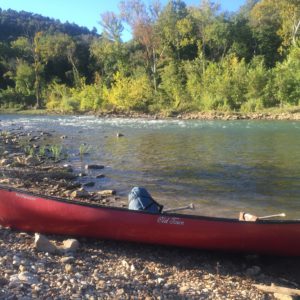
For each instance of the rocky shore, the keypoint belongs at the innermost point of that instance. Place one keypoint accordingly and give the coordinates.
(211, 115)
(114, 270)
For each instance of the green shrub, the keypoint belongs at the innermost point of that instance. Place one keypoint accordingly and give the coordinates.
(130, 93)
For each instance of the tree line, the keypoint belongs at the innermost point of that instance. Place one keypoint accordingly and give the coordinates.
(180, 58)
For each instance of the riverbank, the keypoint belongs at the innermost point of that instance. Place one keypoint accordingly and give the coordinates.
(107, 269)
(290, 113)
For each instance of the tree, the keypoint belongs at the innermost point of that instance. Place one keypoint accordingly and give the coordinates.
(141, 19)
(40, 50)
(112, 26)
(289, 11)
(266, 21)
(24, 78)
(171, 24)
(110, 57)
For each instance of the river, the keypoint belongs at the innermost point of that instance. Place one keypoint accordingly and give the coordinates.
(223, 167)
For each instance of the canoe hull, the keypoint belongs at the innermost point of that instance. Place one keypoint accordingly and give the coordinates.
(28, 212)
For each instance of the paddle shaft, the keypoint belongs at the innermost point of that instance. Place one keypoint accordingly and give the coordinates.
(190, 206)
(272, 216)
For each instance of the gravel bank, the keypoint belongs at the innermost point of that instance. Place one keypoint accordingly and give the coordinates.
(107, 269)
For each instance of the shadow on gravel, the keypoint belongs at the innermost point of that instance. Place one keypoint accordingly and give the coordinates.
(273, 269)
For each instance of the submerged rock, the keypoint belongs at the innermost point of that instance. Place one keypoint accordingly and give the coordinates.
(89, 184)
(94, 167)
(100, 176)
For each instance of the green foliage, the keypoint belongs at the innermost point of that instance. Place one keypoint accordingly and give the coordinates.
(130, 93)
(56, 151)
(173, 81)
(181, 58)
(57, 97)
(24, 79)
(10, 98)
(287, 79)
(222, 86)
(83, 150)
(29, 150)
(42, 151)
(89, 97)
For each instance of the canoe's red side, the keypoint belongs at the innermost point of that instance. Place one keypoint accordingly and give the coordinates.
(38, 214)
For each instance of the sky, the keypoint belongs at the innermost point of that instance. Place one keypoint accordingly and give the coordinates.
(87, 12)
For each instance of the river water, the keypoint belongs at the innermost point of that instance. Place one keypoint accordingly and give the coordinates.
(223, 167)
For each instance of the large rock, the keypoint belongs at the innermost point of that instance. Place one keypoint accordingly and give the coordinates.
(42, 244)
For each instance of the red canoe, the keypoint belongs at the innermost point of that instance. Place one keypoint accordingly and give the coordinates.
(29, 212)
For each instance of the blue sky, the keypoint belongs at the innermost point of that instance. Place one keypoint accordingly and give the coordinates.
(87, 12)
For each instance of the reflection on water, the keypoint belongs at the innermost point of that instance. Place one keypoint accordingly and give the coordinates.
(221, 166)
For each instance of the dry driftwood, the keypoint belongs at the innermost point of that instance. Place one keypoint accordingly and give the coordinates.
(277, 289)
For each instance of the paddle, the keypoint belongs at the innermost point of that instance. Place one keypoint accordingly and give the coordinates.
(252, 218)
(272, 216)
(190, 206)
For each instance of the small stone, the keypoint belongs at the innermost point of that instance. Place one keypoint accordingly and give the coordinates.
(125, 264)
(100, 176)
(132, 268)
(70, 245)
(68, 268)
(160, 280)
(120, 292)
(82, 174)
(101, 284)
(106, 192)
(94, 167)
(16, 260)
(22, 268)
(27, 278)
(119, 134)
(68, 168)
(14, 281)
(67, 259)
(82, 193)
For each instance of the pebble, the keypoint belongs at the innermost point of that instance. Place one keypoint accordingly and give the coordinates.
(67, 259)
